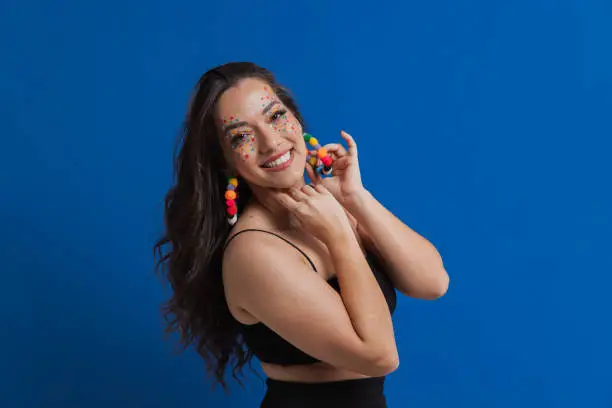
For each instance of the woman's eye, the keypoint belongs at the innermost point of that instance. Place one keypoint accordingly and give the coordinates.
(238, 139)
(278, 115)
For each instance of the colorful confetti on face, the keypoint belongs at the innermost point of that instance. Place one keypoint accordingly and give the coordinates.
(280, 120)
(267, 98)
(242, 139)
(279, 117)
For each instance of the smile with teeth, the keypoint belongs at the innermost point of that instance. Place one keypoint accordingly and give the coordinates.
(281, 160)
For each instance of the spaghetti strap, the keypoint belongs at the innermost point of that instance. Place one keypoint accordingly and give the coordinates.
(276, 235)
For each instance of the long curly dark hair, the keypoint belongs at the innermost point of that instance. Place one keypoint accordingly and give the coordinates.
(189, 253)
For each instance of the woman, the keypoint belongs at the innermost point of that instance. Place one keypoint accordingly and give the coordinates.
(305, 279)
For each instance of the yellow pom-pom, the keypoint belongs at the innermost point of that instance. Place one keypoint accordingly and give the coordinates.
(313, 141)
(233, 181)
(322, 153)
(230, 195)
(312, 160)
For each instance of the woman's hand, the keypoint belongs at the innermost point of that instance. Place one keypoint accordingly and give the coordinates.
(345, 183)
(317, 211)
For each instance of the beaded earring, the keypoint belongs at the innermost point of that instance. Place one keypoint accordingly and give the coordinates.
(230, 197)
(322, 162)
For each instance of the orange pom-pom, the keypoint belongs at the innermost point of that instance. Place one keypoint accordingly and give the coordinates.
(230, 195)
(322, 153)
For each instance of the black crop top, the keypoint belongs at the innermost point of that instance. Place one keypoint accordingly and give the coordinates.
(271, 348)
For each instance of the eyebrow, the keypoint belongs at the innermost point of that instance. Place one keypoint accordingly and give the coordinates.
(232, 126)
(269, 106)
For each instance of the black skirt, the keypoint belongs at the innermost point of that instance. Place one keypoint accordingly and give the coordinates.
(359, 393)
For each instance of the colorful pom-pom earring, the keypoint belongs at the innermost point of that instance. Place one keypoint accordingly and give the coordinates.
(322, 162)
(230, 197)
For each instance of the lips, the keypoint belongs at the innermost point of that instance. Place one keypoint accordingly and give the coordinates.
(275, 157)
(285, 164)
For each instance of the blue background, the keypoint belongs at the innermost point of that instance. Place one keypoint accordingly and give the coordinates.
(484, 125)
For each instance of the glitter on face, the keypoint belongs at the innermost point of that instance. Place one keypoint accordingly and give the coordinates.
(242, 139)
(265, 100)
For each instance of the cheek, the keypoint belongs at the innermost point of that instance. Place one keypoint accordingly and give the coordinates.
(292, 125)
(288, 124)
(245, 151)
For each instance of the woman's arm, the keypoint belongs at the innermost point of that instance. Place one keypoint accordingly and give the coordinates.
(414, 265)
(362, 297)
(352, 330)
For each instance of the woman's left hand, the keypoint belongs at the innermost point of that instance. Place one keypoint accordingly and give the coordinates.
(345, 182)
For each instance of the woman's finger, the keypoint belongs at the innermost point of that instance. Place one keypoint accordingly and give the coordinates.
(320, 188)
(298, 194)
(336, 148)
(309, 190)
(352, 146)
(312, 174)
(342, 163)
(285, 200)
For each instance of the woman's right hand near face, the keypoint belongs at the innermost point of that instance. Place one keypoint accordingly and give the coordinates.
(317, 211)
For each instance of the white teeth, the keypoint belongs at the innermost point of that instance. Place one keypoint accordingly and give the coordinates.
(283, 159)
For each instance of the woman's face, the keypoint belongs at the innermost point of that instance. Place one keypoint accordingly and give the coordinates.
(261, 138)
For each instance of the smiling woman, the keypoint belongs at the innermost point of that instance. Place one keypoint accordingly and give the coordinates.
(311, 293)
(252, 117)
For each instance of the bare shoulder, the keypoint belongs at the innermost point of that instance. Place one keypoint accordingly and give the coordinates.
(258, 254)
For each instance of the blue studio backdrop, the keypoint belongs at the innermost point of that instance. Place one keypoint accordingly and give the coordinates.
(484, 125)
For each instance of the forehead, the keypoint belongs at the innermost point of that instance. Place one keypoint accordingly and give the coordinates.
(245, 100)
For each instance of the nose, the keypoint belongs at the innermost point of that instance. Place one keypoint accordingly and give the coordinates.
(269, 140)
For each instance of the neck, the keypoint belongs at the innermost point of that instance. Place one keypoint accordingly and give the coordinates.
(279, 214)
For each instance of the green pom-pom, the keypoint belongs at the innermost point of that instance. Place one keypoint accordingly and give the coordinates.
(307, 136)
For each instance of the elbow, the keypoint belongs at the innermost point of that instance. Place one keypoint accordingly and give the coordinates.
(389, 365)
(441, 281)
(384, 366)
(433, 290)
(392, 364)
(440, 288)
